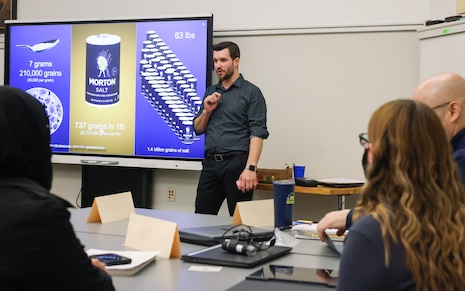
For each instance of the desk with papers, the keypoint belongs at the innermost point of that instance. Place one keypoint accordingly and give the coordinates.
(341, 193)
(174, 274)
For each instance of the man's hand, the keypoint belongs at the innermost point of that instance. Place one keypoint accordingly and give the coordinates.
(247, 181)
(333, 219)
(211, 102)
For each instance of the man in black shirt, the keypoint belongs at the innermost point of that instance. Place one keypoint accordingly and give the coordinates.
(233, 118)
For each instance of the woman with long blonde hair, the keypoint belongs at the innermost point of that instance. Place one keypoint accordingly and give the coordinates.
(409, 230)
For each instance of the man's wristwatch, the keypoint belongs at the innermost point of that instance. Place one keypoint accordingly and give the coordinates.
(251, 168)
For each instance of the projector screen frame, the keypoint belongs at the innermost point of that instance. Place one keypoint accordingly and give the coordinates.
(116, 159)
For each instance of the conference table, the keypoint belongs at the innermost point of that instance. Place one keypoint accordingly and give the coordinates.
(175, 274)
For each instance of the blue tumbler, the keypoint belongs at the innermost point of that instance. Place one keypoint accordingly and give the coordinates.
(283, 191)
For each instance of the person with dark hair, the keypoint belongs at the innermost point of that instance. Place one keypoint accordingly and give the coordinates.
(40, 250)
(445, 94)
(409, 226)
(233, 119)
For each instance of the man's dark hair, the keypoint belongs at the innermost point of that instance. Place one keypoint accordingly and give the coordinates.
(234, 51)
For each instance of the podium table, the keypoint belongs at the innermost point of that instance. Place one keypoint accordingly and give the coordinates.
(341, 193)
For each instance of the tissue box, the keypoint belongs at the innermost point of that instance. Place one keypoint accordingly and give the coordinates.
(269, 175)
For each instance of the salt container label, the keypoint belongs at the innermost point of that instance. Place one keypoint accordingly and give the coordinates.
(102, 69)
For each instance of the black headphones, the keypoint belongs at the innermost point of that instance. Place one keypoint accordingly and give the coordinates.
(240, 239)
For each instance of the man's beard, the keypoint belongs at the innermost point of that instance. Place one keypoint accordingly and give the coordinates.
(226, 76)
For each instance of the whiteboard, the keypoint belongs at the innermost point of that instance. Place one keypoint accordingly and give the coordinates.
(321, 90)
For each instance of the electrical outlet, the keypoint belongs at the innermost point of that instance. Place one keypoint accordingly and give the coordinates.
(171, 194)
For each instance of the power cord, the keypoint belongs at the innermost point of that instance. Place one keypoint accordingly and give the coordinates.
(240, 239)
(77, 198)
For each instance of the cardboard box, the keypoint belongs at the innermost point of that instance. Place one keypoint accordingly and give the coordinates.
(460, 6)
(270, 175)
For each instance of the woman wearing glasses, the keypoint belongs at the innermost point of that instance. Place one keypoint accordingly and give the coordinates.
(409, 226)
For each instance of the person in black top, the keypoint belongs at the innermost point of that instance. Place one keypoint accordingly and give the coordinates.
(39, 249)
(445, 94)
(233, 118)
(409, 226)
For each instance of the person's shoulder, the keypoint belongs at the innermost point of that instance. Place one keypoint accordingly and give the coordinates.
(251, 87)
(247, 83)
(26, 209)
(366, 225)
(37, 201)
(459, 158)
(366, 221)
(365, 232)
(459, 155)
(458, 143)
(51, 207)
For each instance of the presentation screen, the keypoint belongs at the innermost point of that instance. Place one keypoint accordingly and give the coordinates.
(117, 92)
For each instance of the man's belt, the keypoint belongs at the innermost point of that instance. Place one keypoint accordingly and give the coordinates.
(219, 157)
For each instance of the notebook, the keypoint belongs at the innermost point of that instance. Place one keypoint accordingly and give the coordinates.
(215, 255)
(310, 231)
(212, 235)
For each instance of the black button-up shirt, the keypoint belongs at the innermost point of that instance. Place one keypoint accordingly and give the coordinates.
(240, 115)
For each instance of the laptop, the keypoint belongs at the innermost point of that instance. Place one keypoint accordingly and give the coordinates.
(216, 255)
(340, 183)
(213, 235)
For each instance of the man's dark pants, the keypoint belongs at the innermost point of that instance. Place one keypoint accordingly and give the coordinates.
(218, 181)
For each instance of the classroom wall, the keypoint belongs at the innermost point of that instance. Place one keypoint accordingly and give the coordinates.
(323, 67)
(240, 14)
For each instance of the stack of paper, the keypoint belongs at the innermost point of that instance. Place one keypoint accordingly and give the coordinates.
(309, 231)
(139, 261)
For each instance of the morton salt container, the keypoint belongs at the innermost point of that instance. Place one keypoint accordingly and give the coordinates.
(102, 69)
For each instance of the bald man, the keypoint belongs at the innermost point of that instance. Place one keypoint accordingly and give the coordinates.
(445, 94)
